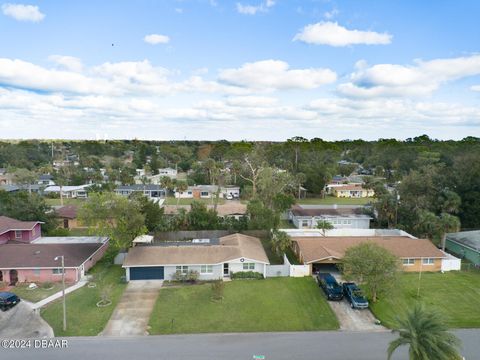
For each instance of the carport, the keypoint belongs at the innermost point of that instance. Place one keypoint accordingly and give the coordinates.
(145, 273)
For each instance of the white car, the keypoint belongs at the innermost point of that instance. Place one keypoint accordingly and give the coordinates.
(229, 197)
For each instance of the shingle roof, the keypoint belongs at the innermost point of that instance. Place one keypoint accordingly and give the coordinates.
(340, 212)
(8, 224)
(42, 255)
(467, 238)
(230, 247)
(67, 211)
(318, 248)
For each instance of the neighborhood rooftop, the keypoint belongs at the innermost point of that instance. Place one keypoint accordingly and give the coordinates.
(467, 238)
(318, 248)
(343, 212)
(230, 247)
(9, 224)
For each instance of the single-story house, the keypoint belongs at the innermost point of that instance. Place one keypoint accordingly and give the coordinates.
(78, 192)
(351, 191)
(13, 230)
(208, 191)
(170, 172)
(230, 209)
(211, 258)
(465, 244)
(45, 179)
(68, 217)
(414, 254)
(153, 192)
(35, 262)
(339, 216)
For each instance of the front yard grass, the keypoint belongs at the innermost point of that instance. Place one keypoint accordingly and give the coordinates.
(84, 318)
(275, 304)
(455, 295)
(330, 200)
(35, 295)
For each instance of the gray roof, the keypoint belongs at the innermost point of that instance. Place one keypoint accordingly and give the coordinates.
(467, 238)
(139, 187)
(71, 240)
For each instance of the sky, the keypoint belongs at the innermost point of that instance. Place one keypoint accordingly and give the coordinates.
(239, 70)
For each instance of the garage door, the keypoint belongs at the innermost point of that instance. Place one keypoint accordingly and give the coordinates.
(146, 273)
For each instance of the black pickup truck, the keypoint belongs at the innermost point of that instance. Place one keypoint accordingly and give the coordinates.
(330, 286)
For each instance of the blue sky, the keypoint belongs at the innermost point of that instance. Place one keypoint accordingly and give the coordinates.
(247, 69)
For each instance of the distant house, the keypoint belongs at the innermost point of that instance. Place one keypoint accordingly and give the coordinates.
(73, 192)
(170, 172)
(208, 191)
(211, 258)
(35, 262)
(6, 178)
(12, 230)
(45, 179)
(465, 244)
(350, 191)
(34, 188)
(338, 216)
(68, 217)
(153, 192)
(414, 254)
(231, 209)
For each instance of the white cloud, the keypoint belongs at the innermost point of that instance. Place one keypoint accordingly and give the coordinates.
(475, 88)
(67, 62)
(331, 14)
(253, 9)
(398, 80)
(22, 12)
(179, 10)
(252, 101)
(275, 74)
(330, 33)
(155, 39)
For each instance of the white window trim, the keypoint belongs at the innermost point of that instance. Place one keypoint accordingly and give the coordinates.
(248, 266)
(18, 232)
(183, 269)
(59, 271)
(207, 271)
(426, 261)
(408, 263)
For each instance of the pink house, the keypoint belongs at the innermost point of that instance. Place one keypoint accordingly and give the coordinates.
(12, 230)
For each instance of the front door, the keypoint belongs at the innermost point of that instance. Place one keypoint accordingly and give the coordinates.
(13, 277)
(65, 223)
(226, 271)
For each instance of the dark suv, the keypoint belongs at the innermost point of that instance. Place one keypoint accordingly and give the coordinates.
(330, 286)
(8, 300)
(355, 296)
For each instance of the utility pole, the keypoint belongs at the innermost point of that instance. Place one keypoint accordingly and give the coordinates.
(63, 292)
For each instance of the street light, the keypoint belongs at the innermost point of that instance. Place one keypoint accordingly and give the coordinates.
(63, 291)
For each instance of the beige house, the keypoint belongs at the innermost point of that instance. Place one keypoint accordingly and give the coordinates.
(351, 191)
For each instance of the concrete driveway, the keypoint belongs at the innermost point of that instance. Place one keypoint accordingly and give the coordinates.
(22, 322)
(132, 314)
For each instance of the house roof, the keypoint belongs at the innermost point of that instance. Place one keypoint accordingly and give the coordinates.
(230, 247)
(45, 177)
(56, 188)
(317, 248)
(329, 212)
(9, 224)
(467, 238)
(42, 255)
(139, 187)
(67, 211)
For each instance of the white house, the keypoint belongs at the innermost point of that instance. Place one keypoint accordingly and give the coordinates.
(340, 217)
(153, 192)
(45, 179)
(211, 258)
(170, 172)
(208, 191)
(78, 192)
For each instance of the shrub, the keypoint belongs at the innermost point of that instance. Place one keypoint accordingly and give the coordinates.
(246, 275)
(3, 284)
(217, 290)
(191, 276)
(47, 285)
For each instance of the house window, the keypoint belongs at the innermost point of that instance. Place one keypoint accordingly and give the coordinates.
(408, 262)
(36, 272)
(57, 271)
(428, 261)
(204, 193)
(206, 269)
(183, 269)
(304, 223)
(345, 222)
(189, 193)
(349, 222)
(248, 266)
(18, 234)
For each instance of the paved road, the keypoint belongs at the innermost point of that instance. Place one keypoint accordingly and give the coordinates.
(274, 346)
(21, 321)
(132, 313)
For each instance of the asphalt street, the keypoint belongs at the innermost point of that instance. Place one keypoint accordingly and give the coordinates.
(339, 345)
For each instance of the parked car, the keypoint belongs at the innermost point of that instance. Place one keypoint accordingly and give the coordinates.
(229, 197)
(8, 300)
(355, 296)
(330, 286)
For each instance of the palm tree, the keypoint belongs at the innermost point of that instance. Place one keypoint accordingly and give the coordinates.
(280, 242)
(181, 187)
(448, 223)
(427, 336)
(324, 225)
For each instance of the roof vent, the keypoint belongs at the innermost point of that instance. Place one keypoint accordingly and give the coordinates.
(37, 252)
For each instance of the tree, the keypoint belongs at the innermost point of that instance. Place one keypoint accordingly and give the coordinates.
(372, 266)
(280, 242)
(154, 214)
(25, 177)
(324, 225)
(62, 178)
(427, 336)
(254, 162)
(115, 216)
(180, 187)
(448, 223)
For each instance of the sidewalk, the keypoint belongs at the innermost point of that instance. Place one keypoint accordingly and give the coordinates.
(58, 295)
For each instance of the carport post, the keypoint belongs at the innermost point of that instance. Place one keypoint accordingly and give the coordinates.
(63, 292)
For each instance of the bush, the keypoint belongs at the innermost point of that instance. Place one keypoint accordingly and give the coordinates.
(3, 284)
(191, 276)
(47, 285)
(217, 290)
(247, 275)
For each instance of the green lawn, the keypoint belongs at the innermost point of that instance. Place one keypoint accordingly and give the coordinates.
(330, 200)
(84, 318)
(173, 201)
(456, 295)
(276, 304)
(37, 294)
(56, 202)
